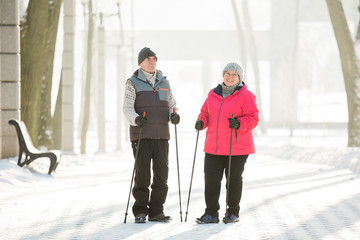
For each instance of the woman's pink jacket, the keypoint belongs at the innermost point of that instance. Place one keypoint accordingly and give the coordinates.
(215, 113)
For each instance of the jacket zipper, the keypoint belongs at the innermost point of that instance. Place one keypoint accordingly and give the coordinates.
(153, 87)
(217, 126)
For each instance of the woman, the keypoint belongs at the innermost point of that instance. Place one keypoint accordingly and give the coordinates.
(230, 98)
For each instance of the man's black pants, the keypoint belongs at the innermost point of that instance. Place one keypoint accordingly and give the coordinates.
(214, 171)
(157, 151)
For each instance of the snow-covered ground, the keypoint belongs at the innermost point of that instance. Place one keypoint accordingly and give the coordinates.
(294, 188)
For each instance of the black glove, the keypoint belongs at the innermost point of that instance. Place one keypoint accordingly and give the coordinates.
(174, 118)
(140, 121)
(199, 125)
(234, 123)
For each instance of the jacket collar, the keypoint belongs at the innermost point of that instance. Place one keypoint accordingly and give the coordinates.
(218, 89)
(140, 75)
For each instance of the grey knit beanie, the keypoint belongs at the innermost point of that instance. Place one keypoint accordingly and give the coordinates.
(145, 53)
(233, 66)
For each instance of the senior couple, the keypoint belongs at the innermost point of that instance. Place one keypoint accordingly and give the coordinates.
(229, 111)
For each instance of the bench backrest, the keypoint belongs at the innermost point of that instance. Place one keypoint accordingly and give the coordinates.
(23, 135)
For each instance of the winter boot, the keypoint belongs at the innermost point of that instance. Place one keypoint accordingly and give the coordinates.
(160, 218)
(231, 218)
(207, 218)
(140, 218)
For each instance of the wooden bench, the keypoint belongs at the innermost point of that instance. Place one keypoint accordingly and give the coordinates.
(26, 147)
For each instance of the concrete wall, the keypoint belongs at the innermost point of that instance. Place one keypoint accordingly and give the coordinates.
(9, 75)
(67, 142)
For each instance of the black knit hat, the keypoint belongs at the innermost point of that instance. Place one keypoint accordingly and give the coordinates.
(145, 53)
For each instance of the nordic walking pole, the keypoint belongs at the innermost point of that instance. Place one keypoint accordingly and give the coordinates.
(178, 172)
(228, 176)
(192, 173)
(133, 173)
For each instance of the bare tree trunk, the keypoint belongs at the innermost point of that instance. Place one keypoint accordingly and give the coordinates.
(253, 53)
(85, 122)
(358, 29)
(293, 88)
(38, 39)
(350, 67)
(240, 34)
(255, 62)
(57, 118)
(83, 74)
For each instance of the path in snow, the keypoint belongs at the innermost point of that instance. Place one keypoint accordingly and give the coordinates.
(86, 199)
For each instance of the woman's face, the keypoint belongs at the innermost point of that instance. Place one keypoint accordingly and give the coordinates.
(231, 78)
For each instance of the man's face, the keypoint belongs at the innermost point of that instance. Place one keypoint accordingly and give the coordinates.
(149, 65)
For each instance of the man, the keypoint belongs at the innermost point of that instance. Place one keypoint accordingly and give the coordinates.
(149, 105)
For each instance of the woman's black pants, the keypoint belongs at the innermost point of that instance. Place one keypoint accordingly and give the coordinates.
(214, 168)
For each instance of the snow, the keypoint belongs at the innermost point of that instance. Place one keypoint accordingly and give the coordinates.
(319, 146)
(294, 188)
